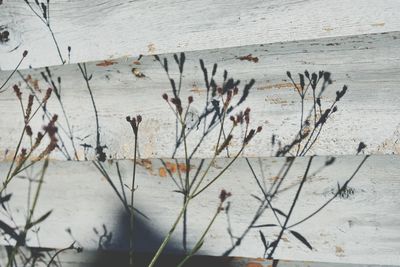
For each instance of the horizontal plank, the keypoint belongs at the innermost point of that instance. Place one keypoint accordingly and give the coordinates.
(359, 226)
(121, 258)
(369, 111)
(99, 29)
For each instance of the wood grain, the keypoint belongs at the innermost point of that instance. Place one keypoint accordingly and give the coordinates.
(359, 227)
(369, 112)
(99, 29)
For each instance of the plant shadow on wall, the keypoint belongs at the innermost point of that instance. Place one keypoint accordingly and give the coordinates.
(221, 103)
(311, 126)
(218, 106)
(220, 113)
(17, 231)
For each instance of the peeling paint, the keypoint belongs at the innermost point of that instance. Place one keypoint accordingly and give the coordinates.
(151, 48)
(379, 24)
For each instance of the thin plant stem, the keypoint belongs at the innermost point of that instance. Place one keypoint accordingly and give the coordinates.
(32, 210)
(131, 239)
(11, 74)
(201, 240)
(283, 228)
(169, 235)
(58, 252)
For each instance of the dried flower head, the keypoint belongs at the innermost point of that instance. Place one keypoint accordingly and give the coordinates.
(22, 155)
(17, 92)
(224, 195)
(249, 136)
(47, 96)
(39, 138)
(134, 122)
(247, 115)
(190, 99)
(28, 108)
(28, 130)
(165, 96)
(178, 104)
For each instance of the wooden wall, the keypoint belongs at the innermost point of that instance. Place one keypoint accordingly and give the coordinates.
(358, 42)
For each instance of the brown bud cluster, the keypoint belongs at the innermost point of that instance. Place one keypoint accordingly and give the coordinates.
(47, 96)
(249, 136)
(22, 156)
(28, 109)
(241, 117)
(178, 104)
(224, 195)
(134, 122)
(247, 115)
(17, 92)
(28, 130)
(39, 138)
(51, 131)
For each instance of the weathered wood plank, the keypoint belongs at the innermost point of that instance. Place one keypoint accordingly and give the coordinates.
(109, 29)
(120, 258)
(369, 112)
(361, 226)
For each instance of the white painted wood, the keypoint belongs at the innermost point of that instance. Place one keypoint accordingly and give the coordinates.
(360, 228)
(369, 112)
(110, 29)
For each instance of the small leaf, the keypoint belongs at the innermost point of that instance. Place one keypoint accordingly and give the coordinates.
(301, 238)
(165, 64)
(273, 244)
(214, 70)
(176, 59)
(8, 230)
(264, 225)
(263, 240)
(280, 212)
(41, 219)
(256, 197)
(5, 199)
(197, 248)
(182, 62)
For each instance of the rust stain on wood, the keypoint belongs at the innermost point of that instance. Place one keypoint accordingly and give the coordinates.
(249, 57)
(277, 86)
(171, 167)
(254, 264)
(106, 63)
(162, 172)
(147, 164)
(196, 89)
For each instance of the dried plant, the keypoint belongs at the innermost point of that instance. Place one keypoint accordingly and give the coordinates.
(24, 54)
(219, 105)
(42, 11)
